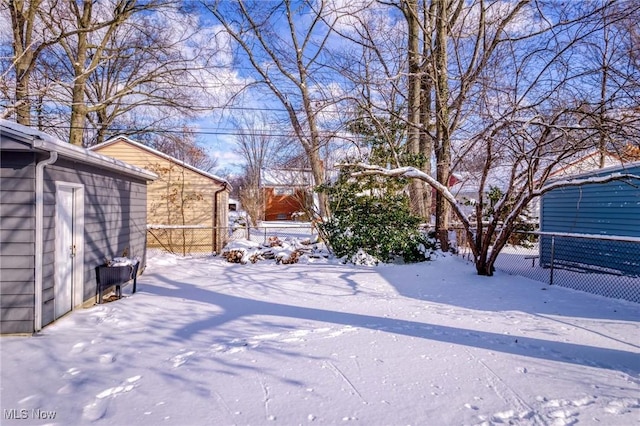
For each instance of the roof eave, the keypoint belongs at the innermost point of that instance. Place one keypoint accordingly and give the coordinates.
(165, 156)
(40, 141)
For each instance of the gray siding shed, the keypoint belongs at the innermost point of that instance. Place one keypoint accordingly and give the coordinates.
(113, 219)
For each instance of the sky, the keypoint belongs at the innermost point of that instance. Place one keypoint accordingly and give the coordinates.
(204, 341)
(229, 70)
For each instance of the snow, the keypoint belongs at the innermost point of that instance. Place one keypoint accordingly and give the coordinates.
(123, 261)
(204, 341)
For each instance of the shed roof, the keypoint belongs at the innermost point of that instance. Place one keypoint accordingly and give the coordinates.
(37, 140)
(586, 164)
(618, 168)
(162, 155)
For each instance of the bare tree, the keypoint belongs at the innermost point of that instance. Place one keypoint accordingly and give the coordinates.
(255, 144)
(119, 66)
(184, 146)
(29, 40)
(415, 109)
(31, 22)
(522, 119)
(449, 44)
(95, 26)
(27, 45)
(484, 248)
(611, 64)
(283, 43)
(156, 66)
(375, 81)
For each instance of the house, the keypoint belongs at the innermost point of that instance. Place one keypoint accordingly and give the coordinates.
(609, 209)
(63, 211)
(234, 205)
(188, 208)
(288, 193)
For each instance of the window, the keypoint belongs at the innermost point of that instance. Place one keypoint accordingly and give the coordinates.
(283, 191)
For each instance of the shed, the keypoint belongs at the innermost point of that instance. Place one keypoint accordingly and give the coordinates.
(63, 210)
(609, 209)
(188, 207)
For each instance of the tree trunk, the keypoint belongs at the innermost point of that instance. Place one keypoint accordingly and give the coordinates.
(25, 53)
(23, 106)
(78, 113)
(78, 106)
(443, 149)
(416, 187)
(484, 266)
(317, 170)
(426, 142)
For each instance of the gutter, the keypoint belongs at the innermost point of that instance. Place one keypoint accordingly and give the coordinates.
(86, 156)
(214, 234)
(39, 238)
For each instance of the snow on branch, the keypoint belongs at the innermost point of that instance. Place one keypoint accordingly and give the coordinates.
(587, 181)
(564, 183)
(412, 173)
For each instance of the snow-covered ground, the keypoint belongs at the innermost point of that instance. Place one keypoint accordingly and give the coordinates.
(205, 342)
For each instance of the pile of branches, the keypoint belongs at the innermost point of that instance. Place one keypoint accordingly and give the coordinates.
(285, 252)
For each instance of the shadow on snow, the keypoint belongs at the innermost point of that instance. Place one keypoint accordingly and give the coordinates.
(231, 308)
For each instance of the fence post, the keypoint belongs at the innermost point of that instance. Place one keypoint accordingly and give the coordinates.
(553, 247)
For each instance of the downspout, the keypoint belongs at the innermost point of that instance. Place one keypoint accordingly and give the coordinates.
(214, 234)
(39, 243)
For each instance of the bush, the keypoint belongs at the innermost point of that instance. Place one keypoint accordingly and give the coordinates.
(376, 219)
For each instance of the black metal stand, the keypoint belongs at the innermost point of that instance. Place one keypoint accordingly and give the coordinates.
(108, 276)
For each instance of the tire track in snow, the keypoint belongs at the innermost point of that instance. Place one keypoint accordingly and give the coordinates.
(222, 402)
(525, 410)
(588, 330)
(340, 374)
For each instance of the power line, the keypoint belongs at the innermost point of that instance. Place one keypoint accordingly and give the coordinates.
(222, 108)
(201, 131)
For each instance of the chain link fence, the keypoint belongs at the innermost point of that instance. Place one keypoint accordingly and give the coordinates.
(599, 264)
(282, 230)
(202, 240)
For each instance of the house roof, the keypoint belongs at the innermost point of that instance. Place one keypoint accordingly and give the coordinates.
(40, 141)
(293, 177)
(162, 155)
(286, 177)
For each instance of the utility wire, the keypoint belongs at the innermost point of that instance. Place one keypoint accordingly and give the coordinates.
(205, 131)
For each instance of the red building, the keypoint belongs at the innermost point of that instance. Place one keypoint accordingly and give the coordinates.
(288, 193)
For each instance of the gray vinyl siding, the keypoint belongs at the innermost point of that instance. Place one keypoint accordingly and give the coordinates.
(114, 219)
(48, 260)
(17, 236)
(115, 211)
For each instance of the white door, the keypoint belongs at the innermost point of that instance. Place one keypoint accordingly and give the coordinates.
(63, 285)
(68, 265)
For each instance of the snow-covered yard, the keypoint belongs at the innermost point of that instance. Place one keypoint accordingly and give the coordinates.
(205, 342)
